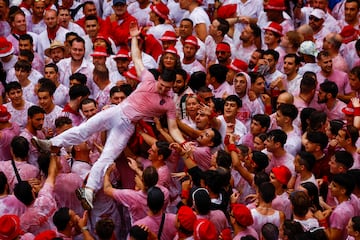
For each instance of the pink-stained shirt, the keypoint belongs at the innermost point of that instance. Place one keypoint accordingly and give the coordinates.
(242, 187)
(136, 106)
(5, 28)
(6, 136)
(136, 201)
(64, 66)
(248, 231)
(26, 172)
(298, 181)
(49, 120)
(340, 78)
(33, 77)
(29, 93)
(102, 97)
(340, 64)
(356, 157)
(153, 223)
(286, 160)
(9, 204)
(282, 203)
(202, 156)
(218, 218)
(224, 89)
(239, 130)
(18, 116)
(248, 110)
(195, 66)
(33, 152)
(64, 191)
(260, 220)
(198, 16)
(61, 95)
(81, 168)
(38, 216)
(293, 142)
(75, 116)
(336, 111)
(340, 217)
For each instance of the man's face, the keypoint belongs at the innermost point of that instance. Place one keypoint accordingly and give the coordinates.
(341, 138)
(37, 121)
(270, 144)
(315, 23)
(3, 10)
(99, 60)
(120, 9)
(335, 167)
(325, 64)
(184, 4)
(163, 87)
(39, 8)
(185, 29)
(289, 66)
(50, 73)
(256, 128)
(50, 19)
(19, 23)
(167, 43)
(240, 85)
(122, 64)
(77, 51)
(258, 86)
(213, 28)
(230, 109)
(153, 153)
(21, 74)
(206, 97)
(280, 119)
(223, 56)
(189, 51)
(25, 45)
(117, 98)
(271, 61)
(15, 96)
(270, 38)
(326, 43)
(64, 17)
(92, 28)
(45, 100)
(206, 138)
(201, 121)
(89, 110)
(322, 96)
(351, 11)
(354, 82)
(247, 34)
(321, 4)
(89, 9)
(57, 54)
(310, 146)
(179, 84)
(254, 58)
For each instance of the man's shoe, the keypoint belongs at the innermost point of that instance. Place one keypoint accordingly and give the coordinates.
(85, 198)
(42, 145)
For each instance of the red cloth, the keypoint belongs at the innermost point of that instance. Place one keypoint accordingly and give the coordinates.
(152, 46)
(119, 32)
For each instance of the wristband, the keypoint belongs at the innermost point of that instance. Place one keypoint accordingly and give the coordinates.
(323, 223)
(357, 111)
(185, 194)
(84, 228)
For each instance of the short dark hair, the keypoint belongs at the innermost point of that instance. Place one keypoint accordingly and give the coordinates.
(78, 91)
(78, 39)
(300, 202)
(288, 110)
(20, 147)
(223, 159)
(155, 199)
(12, 85)
(168, 75)
(61, 121)
(91, 17)
(80, 77)
(61, 218)
(356, 221)
(270, 231)
(35, 110)
(260, 159)
(351, 132)
(346, 181)
(52, 65)
(273, 53)
(87, 101)
(27, 37)
(23, 192)
(263, 119)
(345, 158)
(23, 65)
(307, 159)
(3, 182)
(150, 177)
(197, 80)
(218, 72)
(330, 87)
(217, 137)
(278, 136)
(27, 53)
(182, 72)
(138, 233)
(163, 149)
(223, 26)
(293, 55)
(267, 192)
(307, 84)
(105, 228)
(234, 98)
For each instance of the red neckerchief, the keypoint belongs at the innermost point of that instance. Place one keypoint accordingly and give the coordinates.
(67, 108)
(18, 32)
(52, 32)
(24, 5)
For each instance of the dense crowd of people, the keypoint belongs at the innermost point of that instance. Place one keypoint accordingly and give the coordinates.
(189, 119)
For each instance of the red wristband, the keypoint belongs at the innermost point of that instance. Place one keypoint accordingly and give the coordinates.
(323, 223)
(357, 111)
(185, 194)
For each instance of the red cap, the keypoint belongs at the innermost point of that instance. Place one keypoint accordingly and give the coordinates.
(274, 27)
(160, 9)
(103, 37)
(282, 174)
(242, 214)
(349, 109)
(192, 40)
(205, 230)
(171, 49)
(223, 47)
(131, 73)
(99, 51)
(46, 235)
(227, 11)
(122, 53)
(169, 36)
(9, 227)
(6, 47)
(226, 234)
(349, 34)
(4, 114)
(275, 5)
(186, 217)
(238, 65)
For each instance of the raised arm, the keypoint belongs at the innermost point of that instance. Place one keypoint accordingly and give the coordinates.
(135, 51)
(174, 131)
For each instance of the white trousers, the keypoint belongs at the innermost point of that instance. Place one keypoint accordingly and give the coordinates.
(119, 128)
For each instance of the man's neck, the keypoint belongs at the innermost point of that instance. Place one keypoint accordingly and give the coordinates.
(50, 109)
(287, 128)
(19, 106)
(218, 39)
(306, 97)
(31, 129)
(102, 84)
(279, 152)
(330, 104)
(291, 76)
(189, 60)
(305, 175)
(318, 154)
